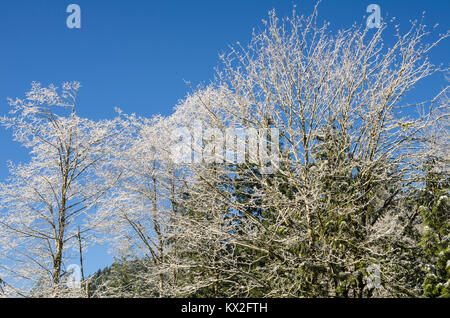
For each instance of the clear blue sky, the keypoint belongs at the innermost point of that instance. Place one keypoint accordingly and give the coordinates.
(136, 54)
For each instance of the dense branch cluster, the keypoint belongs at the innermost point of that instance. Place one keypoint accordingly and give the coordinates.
(355, 205)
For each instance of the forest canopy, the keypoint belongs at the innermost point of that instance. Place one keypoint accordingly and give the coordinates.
(355, 203)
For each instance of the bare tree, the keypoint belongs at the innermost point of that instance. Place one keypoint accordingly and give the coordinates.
(137, 213)
(46, 203)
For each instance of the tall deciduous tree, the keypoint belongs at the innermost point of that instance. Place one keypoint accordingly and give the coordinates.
(335, 207)
(44, 201)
